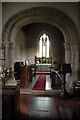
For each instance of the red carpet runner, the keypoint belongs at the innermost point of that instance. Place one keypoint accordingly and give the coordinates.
(40, 83)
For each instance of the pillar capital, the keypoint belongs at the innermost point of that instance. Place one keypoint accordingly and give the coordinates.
(12, 43)
(67, 46)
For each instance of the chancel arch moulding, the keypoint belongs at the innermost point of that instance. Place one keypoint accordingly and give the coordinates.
(50, 16)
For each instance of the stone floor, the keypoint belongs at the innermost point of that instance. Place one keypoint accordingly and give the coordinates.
(42, 105)
(45, 107)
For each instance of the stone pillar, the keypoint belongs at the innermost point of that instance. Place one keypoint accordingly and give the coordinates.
(67, 53)
(68, 60)
(7, 54)
(79, 63)
(73, 63)
(11, 53)
(76, 61)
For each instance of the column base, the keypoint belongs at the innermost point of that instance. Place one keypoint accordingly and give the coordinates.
(64, 94)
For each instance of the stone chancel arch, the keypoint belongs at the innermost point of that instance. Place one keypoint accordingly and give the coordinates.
(44, 15)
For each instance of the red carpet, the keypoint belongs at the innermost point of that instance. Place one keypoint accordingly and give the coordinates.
(40, 83)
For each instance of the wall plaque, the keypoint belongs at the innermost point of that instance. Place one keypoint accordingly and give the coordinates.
(2, 52)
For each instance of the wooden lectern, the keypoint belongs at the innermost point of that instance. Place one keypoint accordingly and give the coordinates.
(65, 68)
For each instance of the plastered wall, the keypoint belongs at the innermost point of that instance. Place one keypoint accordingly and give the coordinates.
(29, 36)
(11, 8)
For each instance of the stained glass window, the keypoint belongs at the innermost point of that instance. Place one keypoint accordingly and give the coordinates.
(44, 45)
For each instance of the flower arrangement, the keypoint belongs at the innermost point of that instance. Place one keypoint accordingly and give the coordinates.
(6, 74)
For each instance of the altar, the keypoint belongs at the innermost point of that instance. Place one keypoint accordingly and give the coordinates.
(43, 66)
(43, 63)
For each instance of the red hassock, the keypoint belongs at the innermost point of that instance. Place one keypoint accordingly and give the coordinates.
(40, 83)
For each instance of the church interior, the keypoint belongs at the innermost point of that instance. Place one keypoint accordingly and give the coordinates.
(40, 60)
